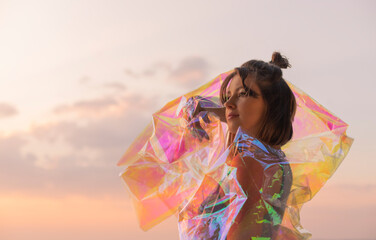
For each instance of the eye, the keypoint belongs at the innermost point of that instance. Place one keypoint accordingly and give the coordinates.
(252, 93)
(243, 94)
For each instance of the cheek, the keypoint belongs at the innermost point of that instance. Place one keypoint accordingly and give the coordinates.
(253, 113)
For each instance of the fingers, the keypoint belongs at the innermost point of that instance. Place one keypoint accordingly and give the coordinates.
(196, 111)
(197, 131)
(193, 130)
(205, 117)
(202, 133)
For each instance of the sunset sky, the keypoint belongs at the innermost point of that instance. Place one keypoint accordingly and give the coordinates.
(79, 81)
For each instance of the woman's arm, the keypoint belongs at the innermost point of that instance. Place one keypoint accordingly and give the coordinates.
(206, 104)
(258, 182)
(220, 112)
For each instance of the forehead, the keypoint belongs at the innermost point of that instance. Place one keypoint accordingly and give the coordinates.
(236, 82)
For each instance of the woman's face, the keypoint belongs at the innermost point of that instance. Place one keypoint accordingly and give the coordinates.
(242, 110)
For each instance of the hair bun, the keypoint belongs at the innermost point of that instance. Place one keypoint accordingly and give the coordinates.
(279, 60)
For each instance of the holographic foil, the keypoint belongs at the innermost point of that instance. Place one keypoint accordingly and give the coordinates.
(182, 165)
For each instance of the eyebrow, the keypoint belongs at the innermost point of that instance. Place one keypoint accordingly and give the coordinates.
(228, 91)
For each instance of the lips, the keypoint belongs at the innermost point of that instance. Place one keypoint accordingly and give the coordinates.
(232, 116)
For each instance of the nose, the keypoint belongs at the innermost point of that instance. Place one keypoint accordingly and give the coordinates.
(230, 103)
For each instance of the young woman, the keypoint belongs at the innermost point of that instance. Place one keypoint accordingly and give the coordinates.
(258, 101)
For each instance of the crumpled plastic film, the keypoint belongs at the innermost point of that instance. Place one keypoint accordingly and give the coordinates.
(245, 191)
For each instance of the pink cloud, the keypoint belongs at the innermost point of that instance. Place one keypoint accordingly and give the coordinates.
(115, 85)
(149, 71)
(66, 157)
(191, 72)
(87, 106)
(7, 110)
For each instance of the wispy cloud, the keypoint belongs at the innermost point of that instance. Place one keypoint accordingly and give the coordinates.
(84, 80)
(88, 106)
(190, 72)
(115, 85)
(130, 73)
(76, 155)
(7, 110)
(149, 71)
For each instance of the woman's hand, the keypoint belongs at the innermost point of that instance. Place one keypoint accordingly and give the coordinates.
(195, 127)
(200, 107)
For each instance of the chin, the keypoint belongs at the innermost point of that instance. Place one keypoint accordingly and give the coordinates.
(233, 129)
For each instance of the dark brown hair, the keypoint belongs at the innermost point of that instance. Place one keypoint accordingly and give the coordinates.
(276, 127)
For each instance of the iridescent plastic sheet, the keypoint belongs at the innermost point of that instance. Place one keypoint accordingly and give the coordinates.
(247, 190)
